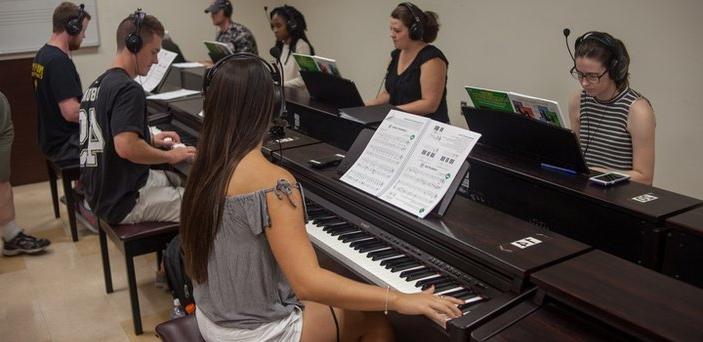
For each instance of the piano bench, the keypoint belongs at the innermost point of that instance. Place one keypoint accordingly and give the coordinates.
(134, 240)
(184, 329)
(68, 174)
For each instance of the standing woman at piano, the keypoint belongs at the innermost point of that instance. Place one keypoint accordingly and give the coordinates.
(614, 123)
(416, 79)
(245, 245)
(288, 25)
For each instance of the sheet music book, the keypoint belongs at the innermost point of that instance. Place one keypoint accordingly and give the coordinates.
(512, 102)
(172, 94)
(411, 161)
(317, 64)
(157, 71)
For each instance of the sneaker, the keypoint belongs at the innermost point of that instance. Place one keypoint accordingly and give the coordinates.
(23, 243)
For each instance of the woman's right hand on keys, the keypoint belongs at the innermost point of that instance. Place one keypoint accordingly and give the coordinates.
(436, 308)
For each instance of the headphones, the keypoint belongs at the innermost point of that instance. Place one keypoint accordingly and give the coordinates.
(616, 72)
(134, 41)
(74, 26)
(417, 29)
(291, 23)
(277, 130)
(228, 9)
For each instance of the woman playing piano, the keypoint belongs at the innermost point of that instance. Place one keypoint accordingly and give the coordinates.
(416, 79)
(245, 245)
(614, 123)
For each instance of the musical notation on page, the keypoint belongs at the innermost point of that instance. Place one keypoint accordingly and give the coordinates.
(411, 161)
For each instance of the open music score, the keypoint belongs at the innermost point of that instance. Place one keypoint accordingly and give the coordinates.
(411, 161)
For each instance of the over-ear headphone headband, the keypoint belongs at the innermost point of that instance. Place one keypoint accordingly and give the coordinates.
(272, 69)
(134, 41)
(74, 26)
(417, 29)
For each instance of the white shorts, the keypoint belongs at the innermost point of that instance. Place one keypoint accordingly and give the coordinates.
(288, 329)
(159, 199)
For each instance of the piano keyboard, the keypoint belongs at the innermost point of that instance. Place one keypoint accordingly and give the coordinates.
(385, 262)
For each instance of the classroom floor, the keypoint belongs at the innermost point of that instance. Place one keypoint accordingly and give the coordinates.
(60, 295)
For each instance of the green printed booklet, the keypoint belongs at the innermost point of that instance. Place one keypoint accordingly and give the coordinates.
(532, 107)
(316, 64)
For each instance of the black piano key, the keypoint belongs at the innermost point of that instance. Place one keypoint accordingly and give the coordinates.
(378, 255)
(422, 272)
(331, 228)
(463, 294)
(438, 284)
(395, 261)
(342, 231)
(321, 221)
(358, 244)
(405, 266)
(421, 283)
(354, 237)
(373, 248)
(445, 286)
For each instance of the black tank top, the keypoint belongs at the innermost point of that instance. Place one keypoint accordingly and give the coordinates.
(405, 88)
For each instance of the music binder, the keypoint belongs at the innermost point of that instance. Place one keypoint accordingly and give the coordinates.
(361, 143)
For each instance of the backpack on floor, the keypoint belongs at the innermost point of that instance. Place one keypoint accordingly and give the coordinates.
(178, 281)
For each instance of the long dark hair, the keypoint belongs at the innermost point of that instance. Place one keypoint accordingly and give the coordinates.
(292, 15)
(238, 109)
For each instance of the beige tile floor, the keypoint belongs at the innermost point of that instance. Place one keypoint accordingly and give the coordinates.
(60, 295)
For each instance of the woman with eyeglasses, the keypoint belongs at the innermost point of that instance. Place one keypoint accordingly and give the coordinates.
(416, 79)
(614, 123)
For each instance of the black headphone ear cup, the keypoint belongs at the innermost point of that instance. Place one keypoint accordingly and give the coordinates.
(74, 27)
(133, 42)
(292, 25)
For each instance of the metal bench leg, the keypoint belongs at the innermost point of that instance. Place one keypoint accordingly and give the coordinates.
(106, 260)
(133, 296)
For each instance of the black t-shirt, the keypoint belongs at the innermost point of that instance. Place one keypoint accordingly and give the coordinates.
(113, 104)
(55, 79)
(406, 88)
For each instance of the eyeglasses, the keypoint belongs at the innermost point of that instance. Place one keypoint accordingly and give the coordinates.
(590, 77)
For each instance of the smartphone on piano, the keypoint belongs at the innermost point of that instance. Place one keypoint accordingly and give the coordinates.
(609, 178)
(325, 162)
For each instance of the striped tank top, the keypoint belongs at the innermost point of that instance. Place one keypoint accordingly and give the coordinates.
(605, 140)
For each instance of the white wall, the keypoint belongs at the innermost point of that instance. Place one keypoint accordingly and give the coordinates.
(514, 45)
(519, 46)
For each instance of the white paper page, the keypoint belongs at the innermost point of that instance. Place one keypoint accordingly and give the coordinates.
(431, 168)
(188, 65)
(385, 154)
(157, 71)
(172, 94)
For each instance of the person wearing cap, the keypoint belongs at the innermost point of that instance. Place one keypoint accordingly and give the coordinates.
(237, 36)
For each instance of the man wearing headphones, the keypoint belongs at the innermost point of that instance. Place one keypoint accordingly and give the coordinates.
(237, 36)
(116, 145)
(614, 123)
(57, 86)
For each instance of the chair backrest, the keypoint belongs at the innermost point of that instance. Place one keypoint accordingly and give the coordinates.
(184, 329)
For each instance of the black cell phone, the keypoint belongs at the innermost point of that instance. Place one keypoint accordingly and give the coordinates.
(328, 161)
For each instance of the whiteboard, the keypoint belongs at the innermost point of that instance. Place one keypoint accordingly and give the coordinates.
(25, 25)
